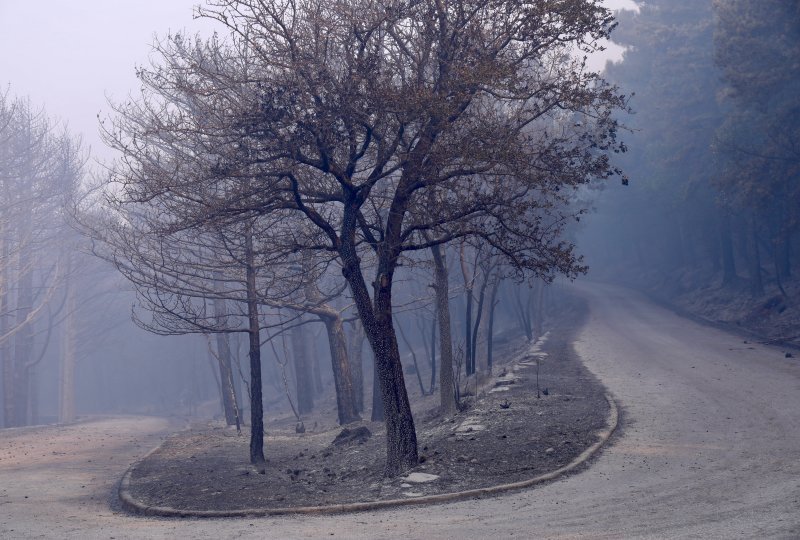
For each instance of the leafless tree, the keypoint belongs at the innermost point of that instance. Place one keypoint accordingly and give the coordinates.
(40, 167)
(221, 277)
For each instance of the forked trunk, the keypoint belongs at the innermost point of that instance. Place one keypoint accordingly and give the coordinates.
(376, 316)
(401, 440)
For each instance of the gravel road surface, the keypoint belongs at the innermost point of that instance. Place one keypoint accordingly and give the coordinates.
(710, 449)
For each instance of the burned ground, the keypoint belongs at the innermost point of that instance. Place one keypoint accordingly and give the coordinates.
(506, 435)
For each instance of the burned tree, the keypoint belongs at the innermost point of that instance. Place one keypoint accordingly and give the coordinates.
(353, 117)
(40, 167)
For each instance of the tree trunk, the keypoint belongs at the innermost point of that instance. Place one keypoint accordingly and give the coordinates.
(402, 441)
(778, 249)
(433, 352)
(756, 283)
(539, 317)
(304, 378)
(66, 407)
(469, 342)
(376, 316)
(316, 369)
(6, 359)
(784, 255)
(479, 331)
(376, 414)
(470, 358)
(523, 313)
(226, 384)
(413, 357)
(356, 354)
(490, 330)
(783, 237)
(726, 245)
(787, 257)
(33, 396)
(345, 396)
(340, 363)
(23, 341)
(447, 395)
(226, 379)
(254, 333)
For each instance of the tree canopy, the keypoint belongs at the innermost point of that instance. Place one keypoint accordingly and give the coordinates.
(372, 129)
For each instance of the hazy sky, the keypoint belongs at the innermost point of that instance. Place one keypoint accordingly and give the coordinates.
(69, 56)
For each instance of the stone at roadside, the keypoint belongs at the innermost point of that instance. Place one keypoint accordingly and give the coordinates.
(421, 478)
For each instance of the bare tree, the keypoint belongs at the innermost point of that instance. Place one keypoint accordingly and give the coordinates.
(40, 167)
(375, 123)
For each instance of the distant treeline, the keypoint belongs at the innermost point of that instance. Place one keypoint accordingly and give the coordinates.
(714, 158)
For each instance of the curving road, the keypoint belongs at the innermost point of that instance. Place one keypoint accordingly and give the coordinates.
(710, 449)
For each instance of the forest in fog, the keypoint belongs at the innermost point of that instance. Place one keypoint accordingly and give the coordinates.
(714, 202)
(330, 205)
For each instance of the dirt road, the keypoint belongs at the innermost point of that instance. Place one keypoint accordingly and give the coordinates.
(710, 449)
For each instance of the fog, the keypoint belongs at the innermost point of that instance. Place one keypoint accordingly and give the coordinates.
(709, 220)
(72, 57)
(145, 266)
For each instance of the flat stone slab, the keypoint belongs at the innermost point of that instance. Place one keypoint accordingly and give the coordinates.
(420, 477)
(470, 425)
(499, 389)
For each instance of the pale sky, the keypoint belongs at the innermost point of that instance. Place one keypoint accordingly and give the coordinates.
(69, 56)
